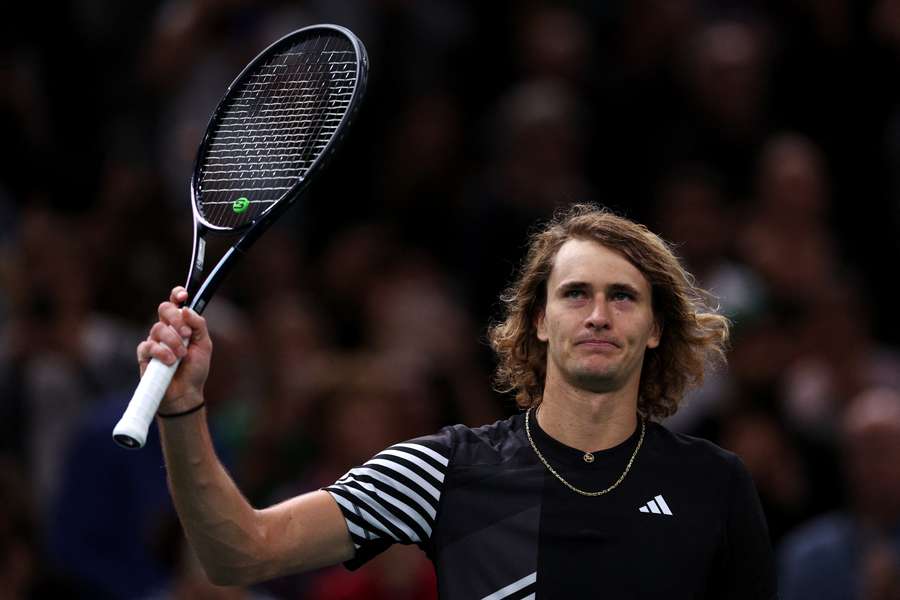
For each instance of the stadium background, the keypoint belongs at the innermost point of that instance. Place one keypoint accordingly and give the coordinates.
(761, 137)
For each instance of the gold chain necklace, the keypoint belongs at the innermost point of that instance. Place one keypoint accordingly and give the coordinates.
(566, 483)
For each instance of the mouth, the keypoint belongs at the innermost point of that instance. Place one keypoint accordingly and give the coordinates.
(597, 343)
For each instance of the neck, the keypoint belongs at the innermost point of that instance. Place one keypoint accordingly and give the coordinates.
(586, 420)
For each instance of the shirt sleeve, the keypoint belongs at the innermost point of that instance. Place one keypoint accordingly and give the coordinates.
(745, 569)
(394, 496)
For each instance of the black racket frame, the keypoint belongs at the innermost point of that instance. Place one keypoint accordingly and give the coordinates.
(200, 290)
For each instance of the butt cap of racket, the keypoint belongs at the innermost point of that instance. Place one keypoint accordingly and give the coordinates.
(131, 430)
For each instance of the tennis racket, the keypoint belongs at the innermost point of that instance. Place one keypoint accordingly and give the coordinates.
(273, 131)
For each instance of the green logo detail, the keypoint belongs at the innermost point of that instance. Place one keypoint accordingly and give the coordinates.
(240, 205)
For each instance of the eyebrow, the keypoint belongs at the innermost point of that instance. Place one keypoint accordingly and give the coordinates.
(571, 285)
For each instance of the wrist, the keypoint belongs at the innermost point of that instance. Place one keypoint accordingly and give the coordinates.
(181, 404)
(183, 413)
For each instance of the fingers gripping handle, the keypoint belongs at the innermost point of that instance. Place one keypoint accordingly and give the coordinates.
(131, 431)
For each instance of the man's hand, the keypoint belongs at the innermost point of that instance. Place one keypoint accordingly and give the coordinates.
(166, 343)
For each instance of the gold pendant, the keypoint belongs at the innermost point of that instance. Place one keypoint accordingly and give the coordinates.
(588, 457)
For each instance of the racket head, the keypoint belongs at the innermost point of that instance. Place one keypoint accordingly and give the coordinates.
(278, 123)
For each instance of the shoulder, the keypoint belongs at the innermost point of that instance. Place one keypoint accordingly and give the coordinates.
(487, 444)
(698, 464)
(672, 447)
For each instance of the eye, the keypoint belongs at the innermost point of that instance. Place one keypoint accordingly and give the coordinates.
(574, 293)
(621, 295)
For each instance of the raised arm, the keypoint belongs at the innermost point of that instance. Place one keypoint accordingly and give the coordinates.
(236, 544)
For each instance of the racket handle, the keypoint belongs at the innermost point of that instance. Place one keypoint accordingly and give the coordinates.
(131, 431)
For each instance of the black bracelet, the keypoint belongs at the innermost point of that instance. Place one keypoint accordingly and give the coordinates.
(182, 413)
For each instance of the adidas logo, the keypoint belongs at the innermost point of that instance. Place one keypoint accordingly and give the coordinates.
(657, 506)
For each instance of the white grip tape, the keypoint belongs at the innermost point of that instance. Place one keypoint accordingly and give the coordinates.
(131, 431)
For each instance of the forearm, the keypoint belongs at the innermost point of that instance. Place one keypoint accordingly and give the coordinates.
(235, 543)
(222, 527)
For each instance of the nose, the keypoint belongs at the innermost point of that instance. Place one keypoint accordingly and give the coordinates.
(598, 318)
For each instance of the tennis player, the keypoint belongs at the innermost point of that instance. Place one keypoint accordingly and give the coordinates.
(582, 494)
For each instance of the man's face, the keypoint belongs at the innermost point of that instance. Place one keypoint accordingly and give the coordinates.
(598, 320)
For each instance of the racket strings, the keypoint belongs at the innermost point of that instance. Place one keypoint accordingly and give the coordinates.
(276, 125)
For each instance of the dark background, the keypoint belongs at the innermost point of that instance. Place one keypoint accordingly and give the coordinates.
(762, 138)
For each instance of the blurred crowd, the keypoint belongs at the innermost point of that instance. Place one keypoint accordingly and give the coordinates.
(760, 137)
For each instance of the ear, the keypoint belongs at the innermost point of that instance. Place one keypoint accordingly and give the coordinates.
(540, 326)
(655, 334)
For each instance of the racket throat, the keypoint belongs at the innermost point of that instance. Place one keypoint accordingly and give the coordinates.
(208, 287)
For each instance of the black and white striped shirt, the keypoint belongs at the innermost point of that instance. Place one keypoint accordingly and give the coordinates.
(685, 523)
(394, 496)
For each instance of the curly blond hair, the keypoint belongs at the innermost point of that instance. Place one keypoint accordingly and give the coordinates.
(694, 336)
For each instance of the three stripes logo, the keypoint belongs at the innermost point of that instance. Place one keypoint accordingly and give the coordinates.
(657, 506)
